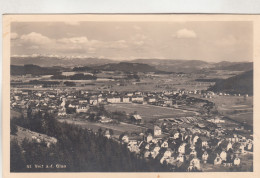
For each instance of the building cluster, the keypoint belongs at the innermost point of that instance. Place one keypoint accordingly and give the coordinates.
(59, 100)
(184, 142)
(188, 151)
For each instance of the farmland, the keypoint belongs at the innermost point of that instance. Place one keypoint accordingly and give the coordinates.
(238, 108)
(150, 112)
(117, 128)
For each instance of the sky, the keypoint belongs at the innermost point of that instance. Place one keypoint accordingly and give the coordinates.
(210, 41)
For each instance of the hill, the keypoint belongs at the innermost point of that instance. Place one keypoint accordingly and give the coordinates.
(81, 150)
(45, 61)
(165, 65)
(127, 67)
(34, 70)
(172, 65)
(231, 66)
(242, 84)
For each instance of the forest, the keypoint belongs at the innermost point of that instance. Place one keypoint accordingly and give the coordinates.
(81, 150)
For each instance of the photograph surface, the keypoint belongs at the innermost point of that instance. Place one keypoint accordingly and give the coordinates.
(131, 95)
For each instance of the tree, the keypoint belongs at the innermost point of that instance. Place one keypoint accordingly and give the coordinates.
(13, 127)
(111, 132)
(16, 158)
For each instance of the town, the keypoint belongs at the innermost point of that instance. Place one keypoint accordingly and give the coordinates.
(180, 128)
(164, 94)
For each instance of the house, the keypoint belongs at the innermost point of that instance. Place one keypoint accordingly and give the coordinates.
(114, 100)
(147, 146)
(100, 99)
(129, 94)
(170, 160)
(164, 144)
(147, 154)
(155, 151)
(93, 101)
(62, 112)
(137, 99)
(204, 142)
(125, 99)
(176, 135)
(217, 120)
(236, 161)
(157, 130)
(83, 101)
(165, 155)
(180, 157)
(149, 138)
(223, 155)
(105, 120)
(151, 100)
(136, 118)
(238, 148)
(217, 160)
(204, 157)
(249, 146)
(124, 138)
(225, 145)
(192, 147)
(168, 152)
(194, 164)
(195, 139)
(181, 148)
(133, 148)
(82, 109)
(193, 152)
(155, 140)
(107, 134)
(63, 103)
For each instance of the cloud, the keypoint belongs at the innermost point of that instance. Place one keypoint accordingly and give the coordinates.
(74, 40)
(91, 50)
(33, 47)
(227, 41)
(115, 44)
(138, 37)
(185, 33)
(35, 38)
(73, 23)
(75, 44)
(139, 43)
(14, 36)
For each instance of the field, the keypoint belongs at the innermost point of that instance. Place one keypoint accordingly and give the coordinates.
(246, 165)
(150, 112)
(235, 107)
(23, 133)
(117, 128)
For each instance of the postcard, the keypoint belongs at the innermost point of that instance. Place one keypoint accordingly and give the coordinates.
(158, 95)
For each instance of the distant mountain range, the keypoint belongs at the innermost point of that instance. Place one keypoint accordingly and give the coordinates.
(233, 66)
(242, 84)
(166, 65)
(126, 66)
(45, 61)
(122, 66)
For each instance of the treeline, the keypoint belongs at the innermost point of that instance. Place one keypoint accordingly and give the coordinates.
(208, 80)
(79, 149)
(75, 77)
(239, 84)
(33, 70)
(44, 83)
